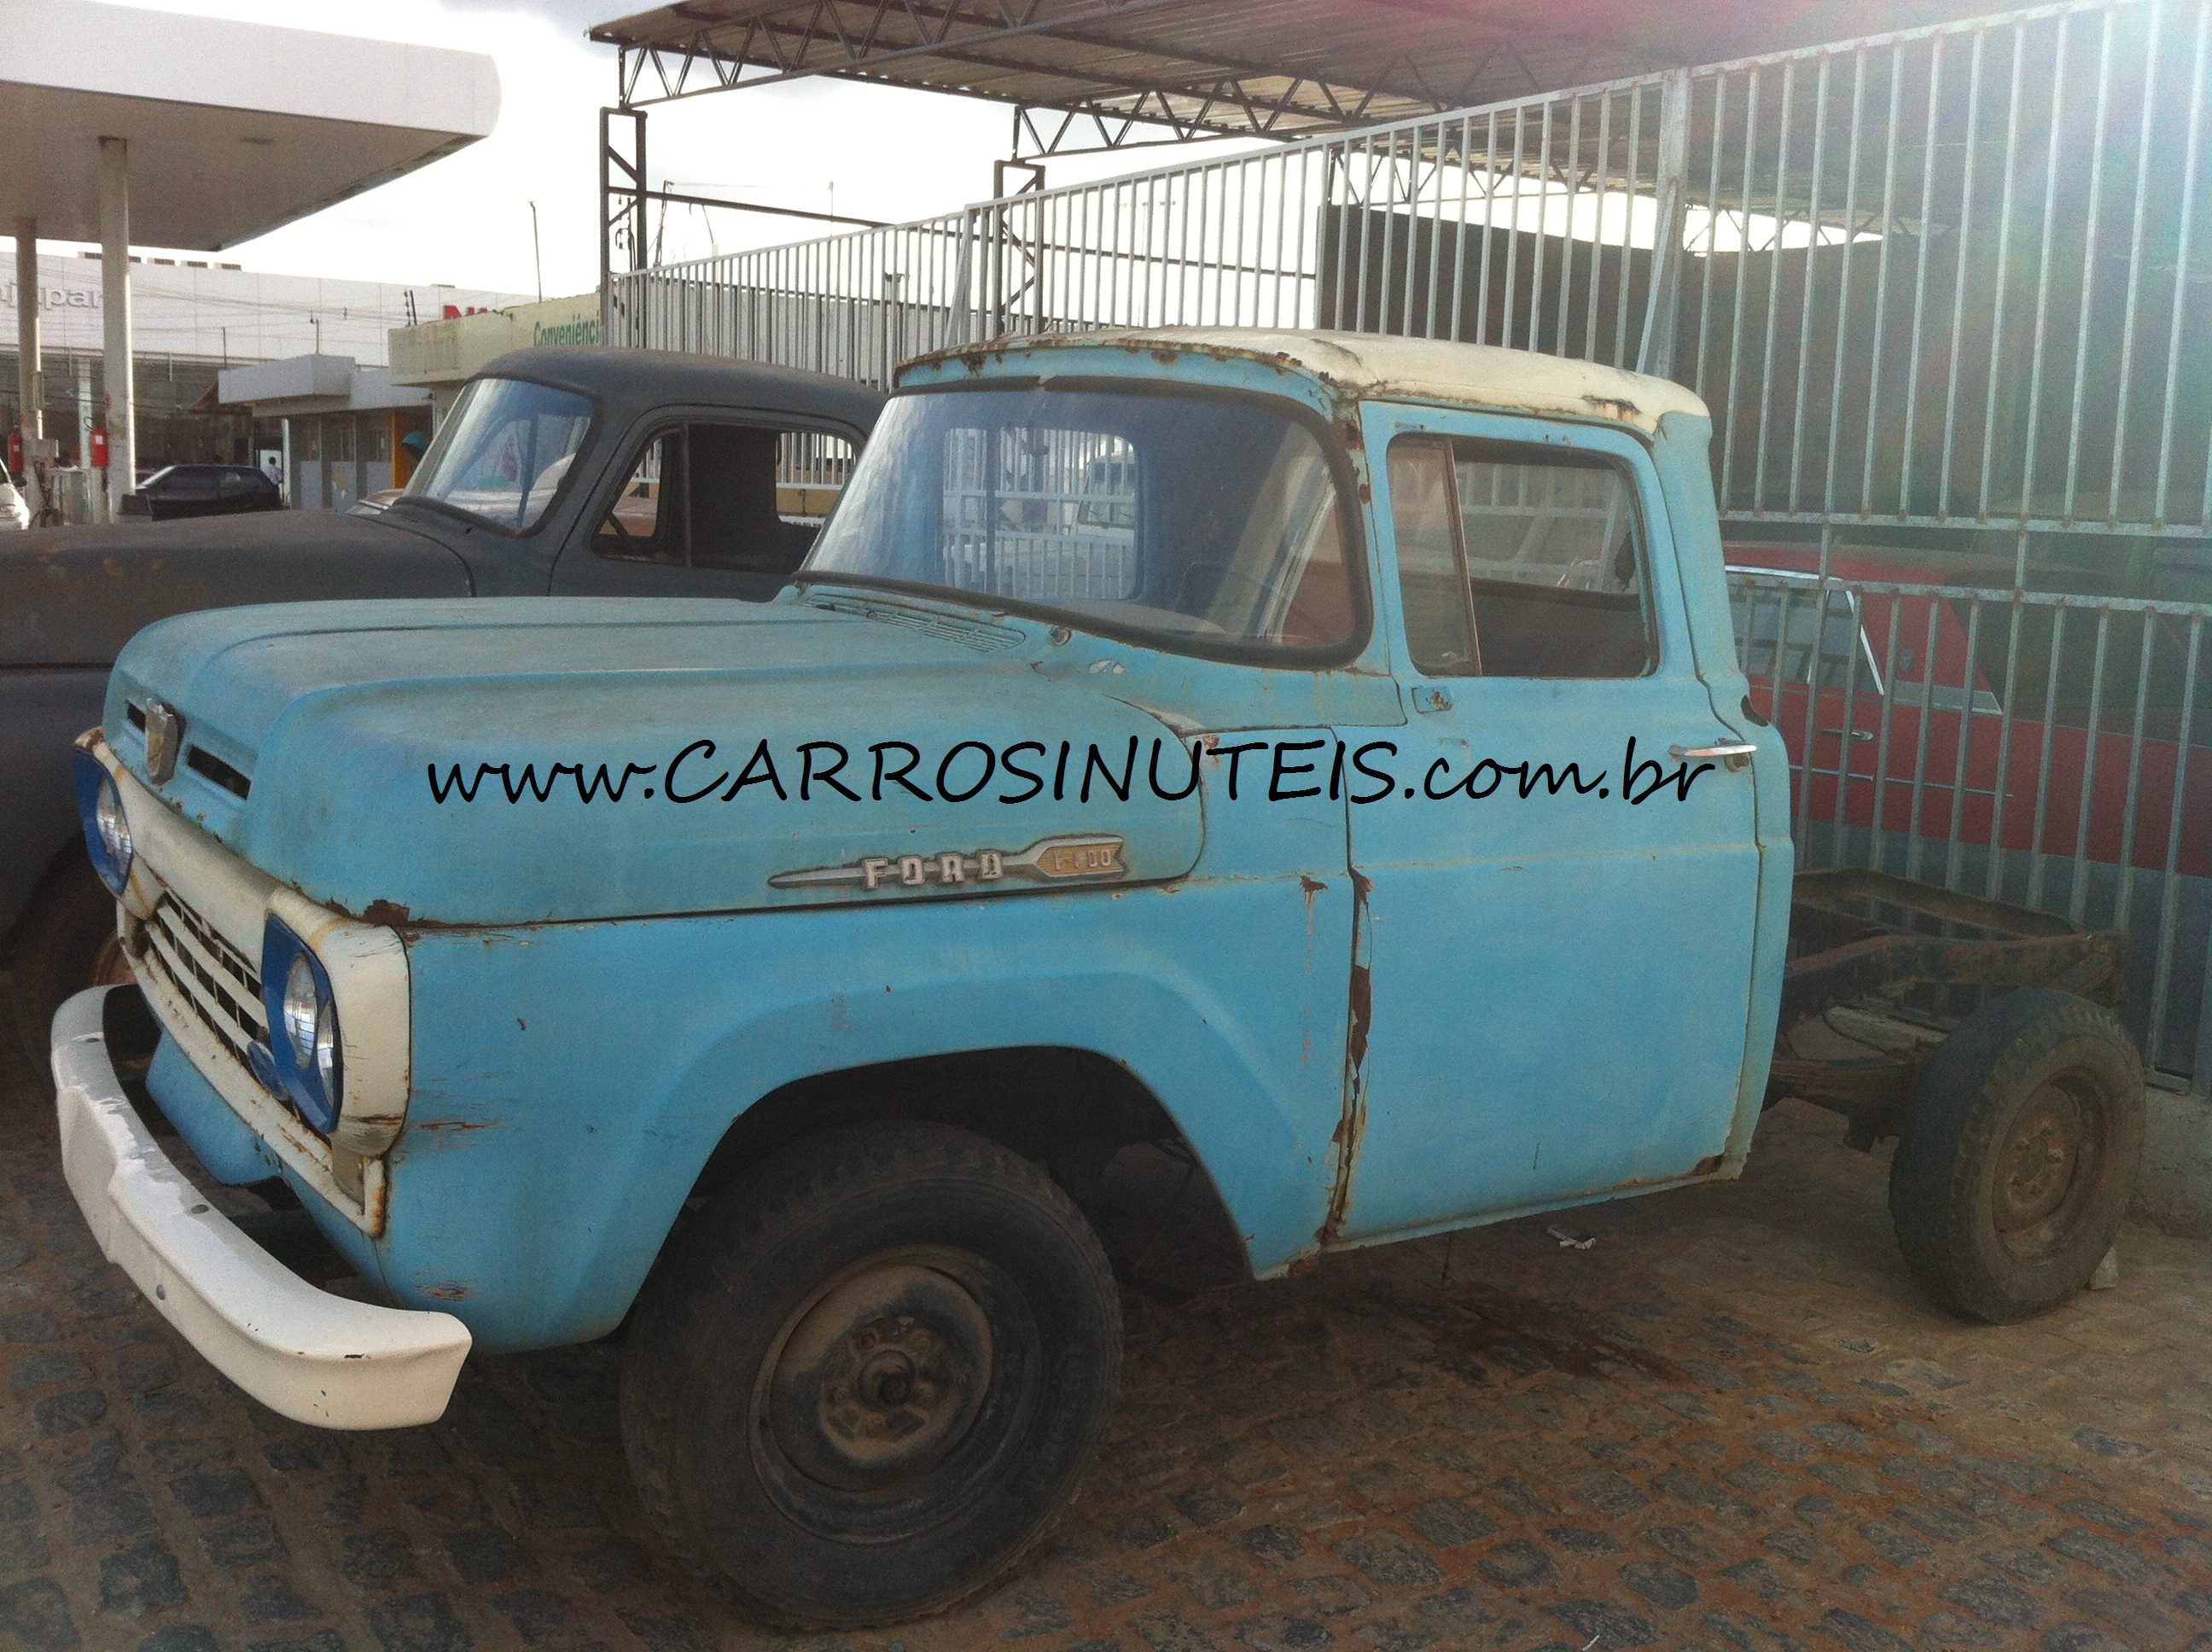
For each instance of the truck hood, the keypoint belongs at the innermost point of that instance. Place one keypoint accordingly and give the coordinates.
(74, 596)
(510, 760)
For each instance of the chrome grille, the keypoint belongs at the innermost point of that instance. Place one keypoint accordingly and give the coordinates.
(213, 978)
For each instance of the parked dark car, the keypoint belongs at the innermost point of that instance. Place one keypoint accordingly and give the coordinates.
(203, 491)
(587, 469)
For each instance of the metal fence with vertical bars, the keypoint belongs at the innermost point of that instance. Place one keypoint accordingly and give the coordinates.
(1946, 291)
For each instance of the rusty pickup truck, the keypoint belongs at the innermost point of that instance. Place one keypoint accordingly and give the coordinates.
(1321, 758)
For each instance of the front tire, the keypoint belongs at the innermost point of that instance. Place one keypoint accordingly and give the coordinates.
(865, 1379)
(66, 941)
(2017, 1156)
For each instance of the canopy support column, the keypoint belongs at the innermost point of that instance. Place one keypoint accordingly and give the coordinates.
(115, 317)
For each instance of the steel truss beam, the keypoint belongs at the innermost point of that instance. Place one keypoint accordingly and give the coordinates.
(1217, 96)
(1042, 131)
(827, 37)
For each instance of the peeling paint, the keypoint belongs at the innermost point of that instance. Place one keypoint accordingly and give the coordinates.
(1352, 1123)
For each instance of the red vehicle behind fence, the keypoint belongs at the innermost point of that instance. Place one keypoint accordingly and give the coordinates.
(2093, 711)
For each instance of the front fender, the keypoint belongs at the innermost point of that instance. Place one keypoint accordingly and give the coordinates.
(550, 1147)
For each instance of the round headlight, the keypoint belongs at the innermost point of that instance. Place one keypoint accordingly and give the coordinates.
(114, 829)
(327, 1050)
(301, 1003)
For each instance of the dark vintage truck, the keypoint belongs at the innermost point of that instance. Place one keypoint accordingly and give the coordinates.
(1323, 757)
(595, 470)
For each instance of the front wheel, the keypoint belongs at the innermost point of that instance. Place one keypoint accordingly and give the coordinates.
(865, 1379)
(66, 941)
(2016, 1158)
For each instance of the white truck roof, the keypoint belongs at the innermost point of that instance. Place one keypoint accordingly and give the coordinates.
(1415, 369)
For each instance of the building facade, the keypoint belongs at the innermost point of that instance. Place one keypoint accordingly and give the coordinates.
(442, 356)
(192, 319)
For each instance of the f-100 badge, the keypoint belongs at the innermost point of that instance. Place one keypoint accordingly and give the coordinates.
(1048, 861)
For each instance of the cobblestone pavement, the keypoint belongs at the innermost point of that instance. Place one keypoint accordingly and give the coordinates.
(1730, 1422)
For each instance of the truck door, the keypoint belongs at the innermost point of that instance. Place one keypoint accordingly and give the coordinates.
(1561, 902)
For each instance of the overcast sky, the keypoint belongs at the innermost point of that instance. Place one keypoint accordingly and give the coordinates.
(885, 153)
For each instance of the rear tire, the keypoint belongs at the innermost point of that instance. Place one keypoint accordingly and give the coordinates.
(865, 1379)
(65, 941)
(2016, 1158)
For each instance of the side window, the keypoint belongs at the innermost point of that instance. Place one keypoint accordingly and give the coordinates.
(811, 468)
(633, 525)
(1554, 558)
(1519, 561)
(1439, 602)
(1816, 647)
(738, 497)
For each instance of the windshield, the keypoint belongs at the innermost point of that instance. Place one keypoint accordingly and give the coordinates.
(503, 450)
(1210, 523)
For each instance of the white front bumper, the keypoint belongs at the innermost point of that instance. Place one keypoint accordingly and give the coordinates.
(303, 1352)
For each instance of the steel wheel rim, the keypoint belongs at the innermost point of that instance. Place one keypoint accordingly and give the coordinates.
(886, 1402)
(2049, 1162)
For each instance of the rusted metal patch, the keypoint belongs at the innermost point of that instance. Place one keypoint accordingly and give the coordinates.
(1352, 1124)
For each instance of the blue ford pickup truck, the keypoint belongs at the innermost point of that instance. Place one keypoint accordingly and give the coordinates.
(1326, 754)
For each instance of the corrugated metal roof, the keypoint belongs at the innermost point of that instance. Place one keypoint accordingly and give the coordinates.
(1285, 66)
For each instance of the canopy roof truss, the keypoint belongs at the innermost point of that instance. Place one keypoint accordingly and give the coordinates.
(1171, 64)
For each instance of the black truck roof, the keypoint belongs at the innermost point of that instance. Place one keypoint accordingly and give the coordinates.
(630, 381)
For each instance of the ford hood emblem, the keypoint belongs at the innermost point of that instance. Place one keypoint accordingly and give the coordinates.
(165, 734)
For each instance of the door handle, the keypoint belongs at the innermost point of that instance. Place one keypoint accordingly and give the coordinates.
(1729, 754)
(1855, 733)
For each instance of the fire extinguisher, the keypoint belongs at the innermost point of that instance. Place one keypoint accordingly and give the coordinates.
(99, 447)
(16, 451)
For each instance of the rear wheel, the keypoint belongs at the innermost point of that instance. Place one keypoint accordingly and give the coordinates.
(2017, 1155)
(865, 1379)
(66, 942)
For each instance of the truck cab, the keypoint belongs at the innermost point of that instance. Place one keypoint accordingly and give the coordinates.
(1325, 754)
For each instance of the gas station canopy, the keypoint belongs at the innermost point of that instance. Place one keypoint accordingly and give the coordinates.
(234, 128)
